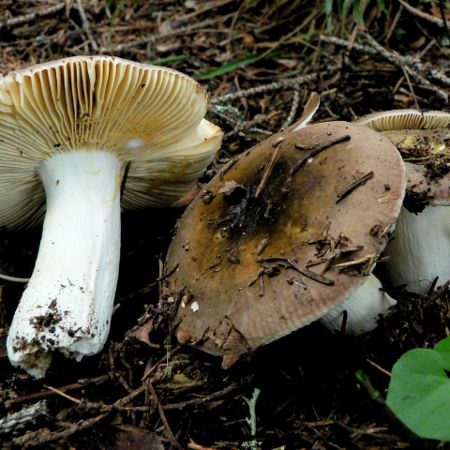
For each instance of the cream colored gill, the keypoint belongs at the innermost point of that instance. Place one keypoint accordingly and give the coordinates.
(405, 119)
(100, 103)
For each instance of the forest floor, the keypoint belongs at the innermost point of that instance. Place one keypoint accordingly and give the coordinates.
(259, 61)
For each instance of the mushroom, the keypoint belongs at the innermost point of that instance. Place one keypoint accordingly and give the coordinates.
(73, 128)
(420, 250)
(287, 232)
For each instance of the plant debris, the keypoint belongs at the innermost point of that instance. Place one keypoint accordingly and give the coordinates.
(258, 60)
(355, 185)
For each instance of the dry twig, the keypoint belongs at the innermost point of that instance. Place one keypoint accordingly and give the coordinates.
(398, 60)
(293, 111)
(25, 416)
(20, 20)
(290, 83)
(162, 415)
(48, 393)
(394, 59)
(423, 15)
(38, 438)
(166, 34)
(86, 26)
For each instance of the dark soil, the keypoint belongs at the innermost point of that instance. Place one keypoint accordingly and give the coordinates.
(318, 390)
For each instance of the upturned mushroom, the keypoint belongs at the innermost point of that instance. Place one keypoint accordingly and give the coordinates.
(69, 132)
(420, 250)
(282, 236)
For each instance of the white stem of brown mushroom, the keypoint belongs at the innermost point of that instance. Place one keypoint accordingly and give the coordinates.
(68, 303)
(360, 312)
(420, 250)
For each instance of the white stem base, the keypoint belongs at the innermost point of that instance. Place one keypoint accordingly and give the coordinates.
(420, 250)
(68, 303)
(363, 309)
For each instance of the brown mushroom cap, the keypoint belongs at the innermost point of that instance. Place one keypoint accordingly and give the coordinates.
(151, 117)
(256, 260)
(423, 139)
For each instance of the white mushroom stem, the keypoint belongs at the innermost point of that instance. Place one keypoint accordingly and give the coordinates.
(420, 250)
(68, 303)
(362, 309)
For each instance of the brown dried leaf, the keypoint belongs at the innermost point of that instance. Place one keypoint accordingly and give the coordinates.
(194, 446)
(142, 333)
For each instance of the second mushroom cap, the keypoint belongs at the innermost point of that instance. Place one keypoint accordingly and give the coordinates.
(283, 235)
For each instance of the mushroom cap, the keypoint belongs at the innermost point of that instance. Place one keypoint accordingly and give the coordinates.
(405, 119)
(149, 116)
(248, 268)
(423, 139)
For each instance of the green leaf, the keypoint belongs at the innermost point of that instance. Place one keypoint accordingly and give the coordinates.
(443, 348)
(117, 8)
(345, 9)
(328, 6)
(169, 60)
(358, 11)
(229, 67)
(382, 5)
(419, 391)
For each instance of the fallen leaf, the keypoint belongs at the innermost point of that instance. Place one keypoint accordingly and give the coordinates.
(142, 333)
